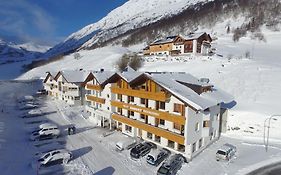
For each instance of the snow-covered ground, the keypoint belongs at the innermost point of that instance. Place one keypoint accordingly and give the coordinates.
(254, 81)
(95, 154)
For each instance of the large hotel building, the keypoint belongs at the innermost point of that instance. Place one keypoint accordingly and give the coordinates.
(172, 109)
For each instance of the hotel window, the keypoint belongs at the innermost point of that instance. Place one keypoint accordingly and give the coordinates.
(119, 97)
(177, 126)
(181, 148)
(218, 116)
(157, 139)
(142, 101)
(171, 144)
(177, 107)
(131, 99)
(142, 116)
(160, 105)
(128, 128)
(200, 143)
(162, 122)
(193, 147)
(119, 110)
(197, 127)
(149, 135)
(206, 123)
(131, 113)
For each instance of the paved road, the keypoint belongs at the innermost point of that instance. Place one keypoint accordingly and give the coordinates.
(273, 169)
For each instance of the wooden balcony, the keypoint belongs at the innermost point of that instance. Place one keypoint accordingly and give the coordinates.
(95, 99)
(159, 96)
(93, 87)
(149, 128)
(151, 112)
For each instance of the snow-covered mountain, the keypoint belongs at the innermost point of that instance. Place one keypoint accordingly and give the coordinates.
(10, 51)
(131, 15)
(139, 21)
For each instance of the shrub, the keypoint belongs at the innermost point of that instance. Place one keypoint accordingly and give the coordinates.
(133, 60)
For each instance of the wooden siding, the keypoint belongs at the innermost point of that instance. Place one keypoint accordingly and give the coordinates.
(161, 47)
(151, 112)
(93, 87)
(149, 128)
(159, 96)
(95, 99)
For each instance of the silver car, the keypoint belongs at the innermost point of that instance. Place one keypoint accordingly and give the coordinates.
(226, 152)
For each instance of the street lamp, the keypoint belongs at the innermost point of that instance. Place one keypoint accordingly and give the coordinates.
(268, 127)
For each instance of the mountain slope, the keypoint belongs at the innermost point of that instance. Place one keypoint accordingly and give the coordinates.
(11, 51)
(133, 14)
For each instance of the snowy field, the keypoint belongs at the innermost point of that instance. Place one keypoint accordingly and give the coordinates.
(254, 81)
(95, 154)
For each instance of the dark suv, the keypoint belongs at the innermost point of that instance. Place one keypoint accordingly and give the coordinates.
(172, 165)
(141, 149)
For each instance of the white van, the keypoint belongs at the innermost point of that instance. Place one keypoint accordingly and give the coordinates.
(46, 129)
(126, 144)
(226, 152)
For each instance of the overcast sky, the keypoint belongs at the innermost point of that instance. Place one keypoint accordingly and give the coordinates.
(50, 21)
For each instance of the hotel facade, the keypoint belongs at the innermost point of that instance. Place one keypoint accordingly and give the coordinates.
(173, 110)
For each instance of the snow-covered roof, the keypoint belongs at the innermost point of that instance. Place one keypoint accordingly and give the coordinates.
(182, 77)
(193, 36)
(74, 76)
(186, 94)
(102, 76)
(52, 73)
(129, 76)
(165, 40)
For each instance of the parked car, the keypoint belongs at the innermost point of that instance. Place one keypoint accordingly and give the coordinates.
(27, 106)
(47, 128)
(141, 149)
(126, 144)
(47, 132)
(39, 137)
(53, 157)
(27, 98)
(32, 113)
(44, 126)
(41, 92)
(172, 165)
(226, 152)
(156, 157)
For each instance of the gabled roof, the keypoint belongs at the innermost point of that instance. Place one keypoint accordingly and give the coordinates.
(49, 74)
(102, 76)
(73, 76)
(165, 40)
(193, 36)
(187, 95)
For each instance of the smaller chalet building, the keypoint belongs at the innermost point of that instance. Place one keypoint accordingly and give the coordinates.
(66, 86)
(177, 45)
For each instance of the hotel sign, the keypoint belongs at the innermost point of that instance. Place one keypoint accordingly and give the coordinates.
(147, 112)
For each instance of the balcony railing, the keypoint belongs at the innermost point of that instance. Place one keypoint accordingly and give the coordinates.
(159, 96)
(151, 112)
(93, 87)
(95, 99)
(149, 128)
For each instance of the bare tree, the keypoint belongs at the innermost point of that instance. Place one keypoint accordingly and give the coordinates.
(136, 62)
(77, 56)
(123, 62)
